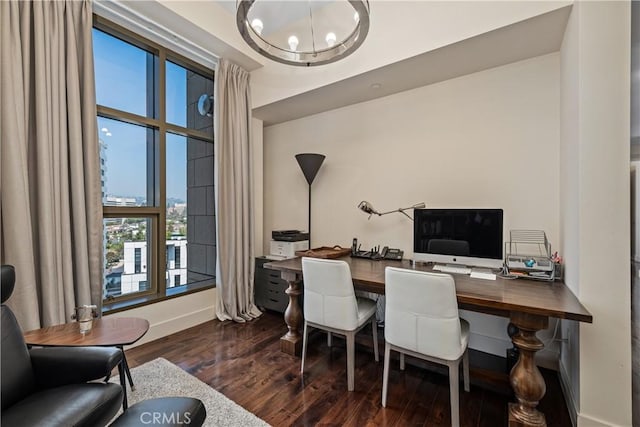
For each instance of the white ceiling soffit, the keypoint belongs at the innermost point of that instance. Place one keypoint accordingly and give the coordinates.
(533, 37)
(156, 22)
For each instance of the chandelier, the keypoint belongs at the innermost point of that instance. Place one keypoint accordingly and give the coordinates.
(303, 33)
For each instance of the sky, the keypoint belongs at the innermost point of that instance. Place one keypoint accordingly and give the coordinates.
(120, 70)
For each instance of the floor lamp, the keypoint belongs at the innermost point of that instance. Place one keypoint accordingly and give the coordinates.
(310, 164)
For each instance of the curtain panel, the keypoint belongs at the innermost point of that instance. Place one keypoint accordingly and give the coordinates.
(234, 194)
(51, 207)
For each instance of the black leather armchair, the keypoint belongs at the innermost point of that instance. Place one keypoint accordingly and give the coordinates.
(49, 386)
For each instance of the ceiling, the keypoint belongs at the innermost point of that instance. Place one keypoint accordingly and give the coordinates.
(528, 38)
(533, 37)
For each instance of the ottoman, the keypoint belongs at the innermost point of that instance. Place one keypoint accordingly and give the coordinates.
(165, 412)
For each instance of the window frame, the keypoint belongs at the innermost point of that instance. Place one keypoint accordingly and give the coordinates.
(156, 254)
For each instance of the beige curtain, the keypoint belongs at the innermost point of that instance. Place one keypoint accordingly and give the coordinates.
(50, 209)
(234, 194)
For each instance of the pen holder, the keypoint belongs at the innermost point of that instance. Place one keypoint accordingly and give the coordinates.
(557, 270)
(85, 315)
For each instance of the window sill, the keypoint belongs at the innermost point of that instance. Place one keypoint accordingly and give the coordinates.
(117, 306)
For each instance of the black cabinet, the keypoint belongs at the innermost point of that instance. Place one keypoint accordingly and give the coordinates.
(269, 288)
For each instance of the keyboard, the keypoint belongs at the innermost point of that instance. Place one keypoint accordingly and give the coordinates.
(483, 274)
(454, 269)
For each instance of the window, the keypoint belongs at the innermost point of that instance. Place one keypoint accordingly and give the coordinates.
(156, 157)
(137, 257)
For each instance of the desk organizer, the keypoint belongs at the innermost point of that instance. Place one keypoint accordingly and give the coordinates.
(528, 255)
(325, 252)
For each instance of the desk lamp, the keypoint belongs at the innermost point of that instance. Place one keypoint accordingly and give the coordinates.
(310, 164)
(366, 207)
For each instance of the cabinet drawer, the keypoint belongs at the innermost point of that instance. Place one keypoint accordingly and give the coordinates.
(275, 296)
(272, 274)
(261, 272)
(269, 288)
(275, 285)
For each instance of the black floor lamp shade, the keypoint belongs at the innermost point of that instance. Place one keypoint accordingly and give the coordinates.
(310, 164)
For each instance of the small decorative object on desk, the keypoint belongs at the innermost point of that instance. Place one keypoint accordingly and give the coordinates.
(326, 252)
(528, 255)
(85, 315)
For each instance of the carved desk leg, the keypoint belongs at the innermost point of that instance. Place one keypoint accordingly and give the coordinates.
(526, 380)
(291, 342)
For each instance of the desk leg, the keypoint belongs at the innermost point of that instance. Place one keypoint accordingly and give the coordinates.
(291, 342)
(526, 380)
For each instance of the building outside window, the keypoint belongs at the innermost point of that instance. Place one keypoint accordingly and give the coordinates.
(157, 166)
(137, 257)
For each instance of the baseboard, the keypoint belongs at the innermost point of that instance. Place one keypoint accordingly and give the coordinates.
(176, 324)
(548, 359)
(173, 315)
(586, 421)
(488, 344)
(572, 405)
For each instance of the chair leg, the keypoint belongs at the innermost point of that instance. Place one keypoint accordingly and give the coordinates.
(465, 370)
(350, 360)
(385, 374)
(454, 379)
(374, 327)
(123, 384)
(402, 361)
(328, 339)
(304, 346)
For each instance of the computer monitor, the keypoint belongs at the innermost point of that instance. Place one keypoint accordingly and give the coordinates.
(470, 237)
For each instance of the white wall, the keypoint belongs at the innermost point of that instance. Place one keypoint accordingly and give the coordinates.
(569, 209)
(490, 139)
(595, 210)
(173, 315)
(258, 189)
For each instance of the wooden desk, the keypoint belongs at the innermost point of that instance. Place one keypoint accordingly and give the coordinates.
(105, 332)
(527, 303)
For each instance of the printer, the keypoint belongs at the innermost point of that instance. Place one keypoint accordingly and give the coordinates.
(285, 243)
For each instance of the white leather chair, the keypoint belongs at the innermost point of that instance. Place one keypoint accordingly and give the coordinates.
(421, 320)
(330, 304)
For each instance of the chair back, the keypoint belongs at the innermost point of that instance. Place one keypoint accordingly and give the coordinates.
(421, 313)
(7, 281)
(329, 298)
(16, 374)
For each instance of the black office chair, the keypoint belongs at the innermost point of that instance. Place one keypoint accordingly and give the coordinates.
(48, 386)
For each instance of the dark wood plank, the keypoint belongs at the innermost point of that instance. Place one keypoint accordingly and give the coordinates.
(493, 412)
(418, 409)
(244, 362)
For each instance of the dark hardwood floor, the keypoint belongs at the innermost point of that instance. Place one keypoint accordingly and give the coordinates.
(244, 362)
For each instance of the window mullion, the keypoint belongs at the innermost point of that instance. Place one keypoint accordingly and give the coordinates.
(125, 116)
(162, 269)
